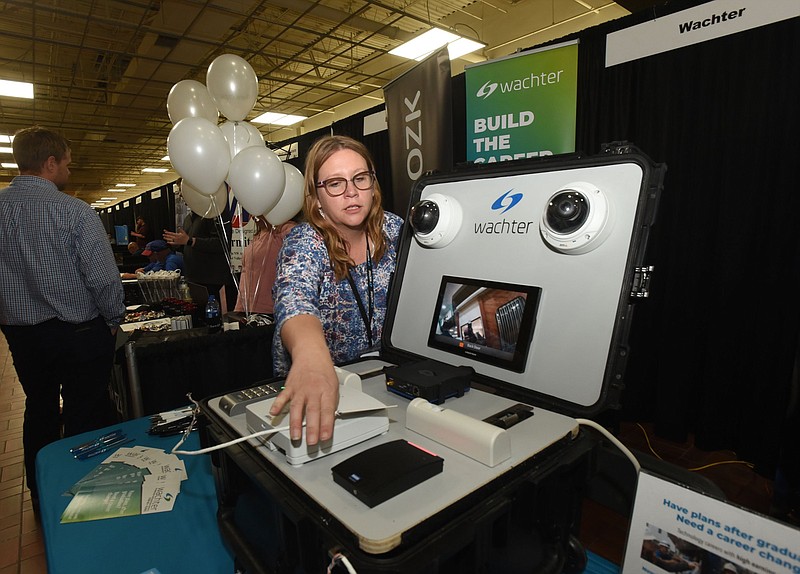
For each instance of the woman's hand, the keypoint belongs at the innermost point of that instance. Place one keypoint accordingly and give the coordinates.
(311, 385)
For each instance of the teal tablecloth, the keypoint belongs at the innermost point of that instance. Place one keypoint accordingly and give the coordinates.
(186, 539)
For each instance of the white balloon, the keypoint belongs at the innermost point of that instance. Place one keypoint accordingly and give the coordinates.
(291, 202)
(199, 153)
(241, 135)
(257, 179)
(207, 206)
(190, 99)
(233, 86)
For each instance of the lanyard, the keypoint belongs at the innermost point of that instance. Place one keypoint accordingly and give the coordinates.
(366, 317)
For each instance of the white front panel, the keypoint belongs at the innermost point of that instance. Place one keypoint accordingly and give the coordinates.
(580, 293)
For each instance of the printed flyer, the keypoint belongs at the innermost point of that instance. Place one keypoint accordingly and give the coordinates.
(676, 529)
(132, 481)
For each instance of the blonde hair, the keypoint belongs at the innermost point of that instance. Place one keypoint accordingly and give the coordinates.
(337, 247)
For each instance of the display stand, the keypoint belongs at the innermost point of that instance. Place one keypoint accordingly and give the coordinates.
(471, 517)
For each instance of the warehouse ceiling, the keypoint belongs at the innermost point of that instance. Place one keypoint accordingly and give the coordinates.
(102, 69)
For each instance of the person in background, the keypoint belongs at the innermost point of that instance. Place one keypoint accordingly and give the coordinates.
(332, 282)
(142, 232)
(205, 253)
(162, 258)
(259, 263)
(60, 325)
(134, 249)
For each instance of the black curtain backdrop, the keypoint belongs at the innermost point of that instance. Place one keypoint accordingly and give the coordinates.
(158, 212)
(713, 347)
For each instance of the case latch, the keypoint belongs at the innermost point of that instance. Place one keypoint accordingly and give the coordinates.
(641, 282)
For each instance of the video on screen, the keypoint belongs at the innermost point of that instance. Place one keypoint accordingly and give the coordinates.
(487, 321)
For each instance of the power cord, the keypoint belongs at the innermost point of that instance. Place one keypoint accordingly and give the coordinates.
(340, 559)
(697, 468)
(602, 430)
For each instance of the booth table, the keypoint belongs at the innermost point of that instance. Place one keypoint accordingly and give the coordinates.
(185, 539)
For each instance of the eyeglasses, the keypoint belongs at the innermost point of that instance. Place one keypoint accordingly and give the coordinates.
(336, 186)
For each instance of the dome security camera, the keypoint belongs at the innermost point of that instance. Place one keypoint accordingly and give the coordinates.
(577, 219)
(436, 220)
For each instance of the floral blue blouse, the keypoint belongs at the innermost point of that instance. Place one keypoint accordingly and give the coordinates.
(305, 285)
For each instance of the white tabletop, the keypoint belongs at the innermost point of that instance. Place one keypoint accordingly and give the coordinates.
(380, 529)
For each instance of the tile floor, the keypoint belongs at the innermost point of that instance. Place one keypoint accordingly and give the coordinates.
(603, 531)
(21, 543)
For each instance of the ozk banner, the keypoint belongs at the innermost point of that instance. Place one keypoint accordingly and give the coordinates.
(420, 120)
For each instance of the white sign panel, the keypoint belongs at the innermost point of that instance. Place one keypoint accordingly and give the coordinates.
(675, 529)
(705, 22)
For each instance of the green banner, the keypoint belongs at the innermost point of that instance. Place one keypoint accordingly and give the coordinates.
(523, 105)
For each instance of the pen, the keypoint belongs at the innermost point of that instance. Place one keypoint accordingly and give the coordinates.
(114, 435)
(105, 448)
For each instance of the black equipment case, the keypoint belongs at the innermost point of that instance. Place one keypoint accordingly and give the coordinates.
(524, 273)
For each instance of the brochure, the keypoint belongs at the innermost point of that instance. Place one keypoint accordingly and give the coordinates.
(130, 482)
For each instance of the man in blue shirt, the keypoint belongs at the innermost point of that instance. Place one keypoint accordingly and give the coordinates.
(162, 258)
(61, 299)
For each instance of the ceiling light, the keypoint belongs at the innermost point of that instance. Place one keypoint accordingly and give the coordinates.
(109, 198)
(165, 158)
(277, 119)
(126, 185)
(16, 89)
(8, 165)
(155, 170)
(462, 47)
(6, 150)
(420, 47)
(6, 139)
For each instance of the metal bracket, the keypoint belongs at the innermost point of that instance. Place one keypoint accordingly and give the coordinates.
(641, 282)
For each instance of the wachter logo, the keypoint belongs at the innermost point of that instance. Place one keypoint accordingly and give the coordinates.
(500, 202)
(486, 90)
(504, 226)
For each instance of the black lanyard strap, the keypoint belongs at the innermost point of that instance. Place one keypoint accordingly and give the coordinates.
(365, 316)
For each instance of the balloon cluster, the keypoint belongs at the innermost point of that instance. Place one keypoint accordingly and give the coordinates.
(207, 155)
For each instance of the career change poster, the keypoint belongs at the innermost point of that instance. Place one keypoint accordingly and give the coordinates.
(675, 529)
(523, 105)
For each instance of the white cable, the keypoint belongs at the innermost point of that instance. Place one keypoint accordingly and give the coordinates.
(340, 558)
(613, 439)
(343, 559)
(226, 444)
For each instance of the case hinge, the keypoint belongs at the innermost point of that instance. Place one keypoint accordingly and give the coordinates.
(641, 282)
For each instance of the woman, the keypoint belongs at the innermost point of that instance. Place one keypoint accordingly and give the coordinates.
(259, 267)
(332, 282)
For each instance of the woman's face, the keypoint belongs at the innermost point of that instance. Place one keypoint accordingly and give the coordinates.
(348, 211)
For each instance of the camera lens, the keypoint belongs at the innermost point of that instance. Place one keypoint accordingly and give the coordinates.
(424, 217)
(567, 211)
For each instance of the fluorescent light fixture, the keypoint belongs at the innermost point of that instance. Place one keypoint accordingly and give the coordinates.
(16, 89)
(165, 158)
(155, 170)
(277, 119)
(420, 47)
(6, 150)
(6, 139)
(126, 185)
(109, 198)
(462, 47)
(8, 165)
